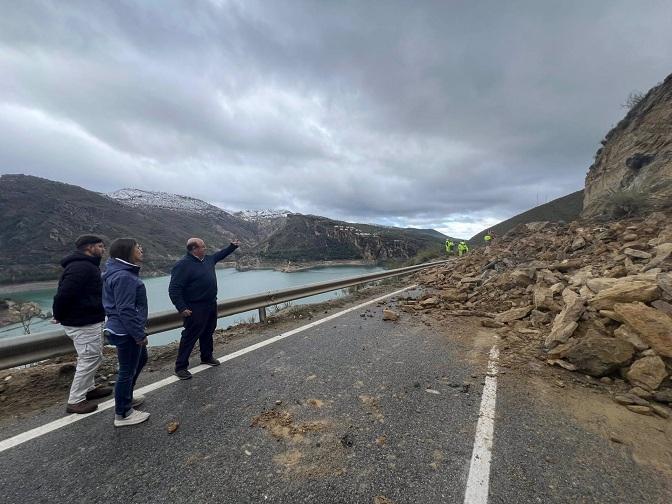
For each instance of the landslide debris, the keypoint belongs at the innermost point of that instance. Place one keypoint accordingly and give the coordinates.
(594, 298)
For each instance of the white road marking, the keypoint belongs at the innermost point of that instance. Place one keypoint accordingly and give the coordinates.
(70, 419)
(479, 470)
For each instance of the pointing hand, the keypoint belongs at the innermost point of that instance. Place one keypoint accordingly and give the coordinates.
(186, 313)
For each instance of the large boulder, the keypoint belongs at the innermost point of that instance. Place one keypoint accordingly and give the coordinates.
(637, 254)
(653, 326)
(565, 323)
(523, 276)
(453, 295)
(513, 314)
(662, 306)
(625, 292)
(663, 251)
(599, 355)
(628, 334)
(647, 372)
(664, 281)
(543, 298)
(602, 283)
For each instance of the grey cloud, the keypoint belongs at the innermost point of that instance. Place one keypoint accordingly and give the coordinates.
(415, 113)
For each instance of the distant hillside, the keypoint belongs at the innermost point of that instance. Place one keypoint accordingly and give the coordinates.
(314, 238)
(137, 198)
(41, 219)
(567, 208)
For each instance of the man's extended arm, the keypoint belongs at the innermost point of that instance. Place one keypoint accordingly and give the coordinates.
(218, 256)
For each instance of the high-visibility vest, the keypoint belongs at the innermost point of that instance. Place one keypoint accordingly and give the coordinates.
(487, 237)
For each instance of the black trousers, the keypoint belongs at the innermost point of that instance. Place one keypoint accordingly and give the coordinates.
(197, 327)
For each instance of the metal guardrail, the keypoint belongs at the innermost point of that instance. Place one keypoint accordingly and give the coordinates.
(30, 348)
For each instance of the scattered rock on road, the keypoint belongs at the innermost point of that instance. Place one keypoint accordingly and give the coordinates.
(589, 296)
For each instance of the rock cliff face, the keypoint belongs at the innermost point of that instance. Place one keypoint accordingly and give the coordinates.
(315, 238)
(636, 154)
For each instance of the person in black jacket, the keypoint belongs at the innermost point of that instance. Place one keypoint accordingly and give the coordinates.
(193, 291)
(78, 307)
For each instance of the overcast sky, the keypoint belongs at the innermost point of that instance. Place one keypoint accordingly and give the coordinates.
(445, 114)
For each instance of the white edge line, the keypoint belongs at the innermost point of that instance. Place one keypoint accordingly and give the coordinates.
(479, 469)
(70, 419)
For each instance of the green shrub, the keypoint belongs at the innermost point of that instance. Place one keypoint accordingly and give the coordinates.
(627, 202)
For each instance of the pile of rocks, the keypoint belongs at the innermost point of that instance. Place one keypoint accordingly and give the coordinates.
(592, 297)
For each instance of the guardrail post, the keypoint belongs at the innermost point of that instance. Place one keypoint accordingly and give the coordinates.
(262, 314)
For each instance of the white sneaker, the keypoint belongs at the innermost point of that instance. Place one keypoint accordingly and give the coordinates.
(138, 399)
(133, 417)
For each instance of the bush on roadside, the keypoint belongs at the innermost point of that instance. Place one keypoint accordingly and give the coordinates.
(627, 202)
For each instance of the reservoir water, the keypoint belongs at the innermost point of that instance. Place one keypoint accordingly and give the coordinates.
(231, 283)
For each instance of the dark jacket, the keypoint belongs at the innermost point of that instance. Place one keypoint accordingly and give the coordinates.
(193, 281)
(124, 299)
(78, 300)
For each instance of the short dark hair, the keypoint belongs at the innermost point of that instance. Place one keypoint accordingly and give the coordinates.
(122, 248)
(82, 241)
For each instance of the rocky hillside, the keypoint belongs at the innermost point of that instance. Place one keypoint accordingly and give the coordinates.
(634, 165)
(595, 299)
(267, 221)
(41, 219)
(567, 208)
(314, 238)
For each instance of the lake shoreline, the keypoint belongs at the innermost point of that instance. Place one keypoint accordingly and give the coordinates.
(287, 267)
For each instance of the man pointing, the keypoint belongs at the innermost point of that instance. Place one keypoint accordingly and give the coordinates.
(193, 291)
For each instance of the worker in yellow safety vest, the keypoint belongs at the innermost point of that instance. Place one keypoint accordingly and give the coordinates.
(488, 237)
(462, 249)
(449, 247)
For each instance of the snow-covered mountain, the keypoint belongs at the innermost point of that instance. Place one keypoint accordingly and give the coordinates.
(257, 215)
(138, 198)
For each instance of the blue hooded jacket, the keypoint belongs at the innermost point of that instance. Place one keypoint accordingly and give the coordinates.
(124, 299)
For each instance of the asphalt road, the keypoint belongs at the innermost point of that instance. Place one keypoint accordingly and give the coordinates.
(346, 412)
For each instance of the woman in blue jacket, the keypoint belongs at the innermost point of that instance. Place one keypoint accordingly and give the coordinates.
(125, 303)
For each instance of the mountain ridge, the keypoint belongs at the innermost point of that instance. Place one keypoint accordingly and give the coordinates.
(42, 218)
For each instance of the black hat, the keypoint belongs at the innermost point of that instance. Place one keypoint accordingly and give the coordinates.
(87, 240)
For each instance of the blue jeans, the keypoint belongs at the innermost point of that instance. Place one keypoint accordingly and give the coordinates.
(132, 358)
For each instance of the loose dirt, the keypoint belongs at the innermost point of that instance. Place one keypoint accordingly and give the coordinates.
(584, 398)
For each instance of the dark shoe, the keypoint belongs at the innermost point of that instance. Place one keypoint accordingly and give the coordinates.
(183, 374)
(81, 407)
(211, 362)
(99, 392)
